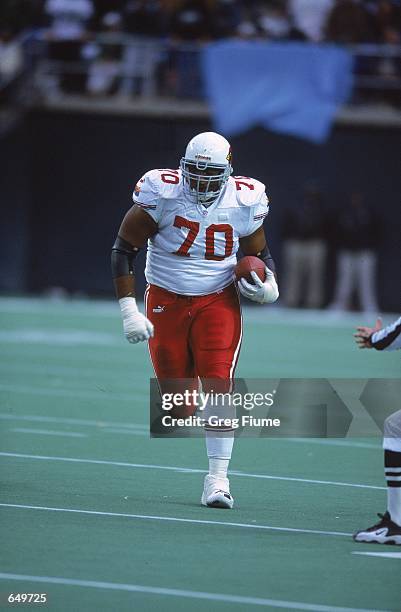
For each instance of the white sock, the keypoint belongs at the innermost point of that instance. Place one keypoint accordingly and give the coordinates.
(219, 453)
(394, 504)
(219, 445)
(392, 465)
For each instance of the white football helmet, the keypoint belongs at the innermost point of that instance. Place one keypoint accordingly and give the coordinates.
(206, 167)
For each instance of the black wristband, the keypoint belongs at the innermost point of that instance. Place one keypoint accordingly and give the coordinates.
(265, 256)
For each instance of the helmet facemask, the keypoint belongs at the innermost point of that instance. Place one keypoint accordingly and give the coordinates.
(204, 181)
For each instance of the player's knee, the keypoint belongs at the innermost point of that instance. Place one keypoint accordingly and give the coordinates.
(216, 382)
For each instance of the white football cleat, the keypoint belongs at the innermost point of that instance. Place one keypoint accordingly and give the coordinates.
(216, 492)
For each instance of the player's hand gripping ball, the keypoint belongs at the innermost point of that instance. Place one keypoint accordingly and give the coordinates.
(255, 280)
(249, 264)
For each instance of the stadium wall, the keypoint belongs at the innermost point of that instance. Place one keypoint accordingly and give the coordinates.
(67, 180)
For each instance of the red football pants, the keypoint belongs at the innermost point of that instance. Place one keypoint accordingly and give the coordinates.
(198, 336)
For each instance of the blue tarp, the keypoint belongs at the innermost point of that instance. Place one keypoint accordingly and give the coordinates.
(294, 88)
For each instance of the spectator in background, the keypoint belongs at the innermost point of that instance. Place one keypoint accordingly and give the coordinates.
(356, 235)
(304, 244)
(11, 57)
(272, 19)
(309, 17)
(226, 18)
(102, 7)
(66, 34)
(144, 18)
(68, 19)
(191, 22)
(104, 71)
(349, 22)
(144, 23)
(275, 22)
(388, 20)
(246, 28)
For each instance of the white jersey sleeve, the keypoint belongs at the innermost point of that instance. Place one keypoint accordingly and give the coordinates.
(251, 193)
(147, 194)
(388, 338)
(259, 212)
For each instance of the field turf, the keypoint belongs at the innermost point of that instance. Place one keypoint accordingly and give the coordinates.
(100, 517)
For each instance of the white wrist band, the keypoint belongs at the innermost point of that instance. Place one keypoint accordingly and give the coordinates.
(128, 306)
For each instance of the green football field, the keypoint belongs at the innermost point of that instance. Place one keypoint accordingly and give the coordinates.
(100, 517)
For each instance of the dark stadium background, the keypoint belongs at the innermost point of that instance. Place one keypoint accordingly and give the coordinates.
(67, 179)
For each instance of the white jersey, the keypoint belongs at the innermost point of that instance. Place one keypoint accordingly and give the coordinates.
(194, 249)
(388, 338)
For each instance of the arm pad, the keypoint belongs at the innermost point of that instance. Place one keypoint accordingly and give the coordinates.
(122, 258)
(265, 256)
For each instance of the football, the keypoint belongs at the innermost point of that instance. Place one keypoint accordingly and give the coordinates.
(249, 264)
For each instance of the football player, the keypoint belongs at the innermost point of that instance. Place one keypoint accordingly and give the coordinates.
(388, 529)
(194, 219)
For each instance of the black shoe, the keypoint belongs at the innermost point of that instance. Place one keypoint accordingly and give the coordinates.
(384, 532)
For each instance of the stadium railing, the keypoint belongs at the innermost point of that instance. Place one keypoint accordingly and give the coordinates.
(120, 65)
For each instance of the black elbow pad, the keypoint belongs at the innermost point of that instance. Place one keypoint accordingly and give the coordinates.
(122, 258)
